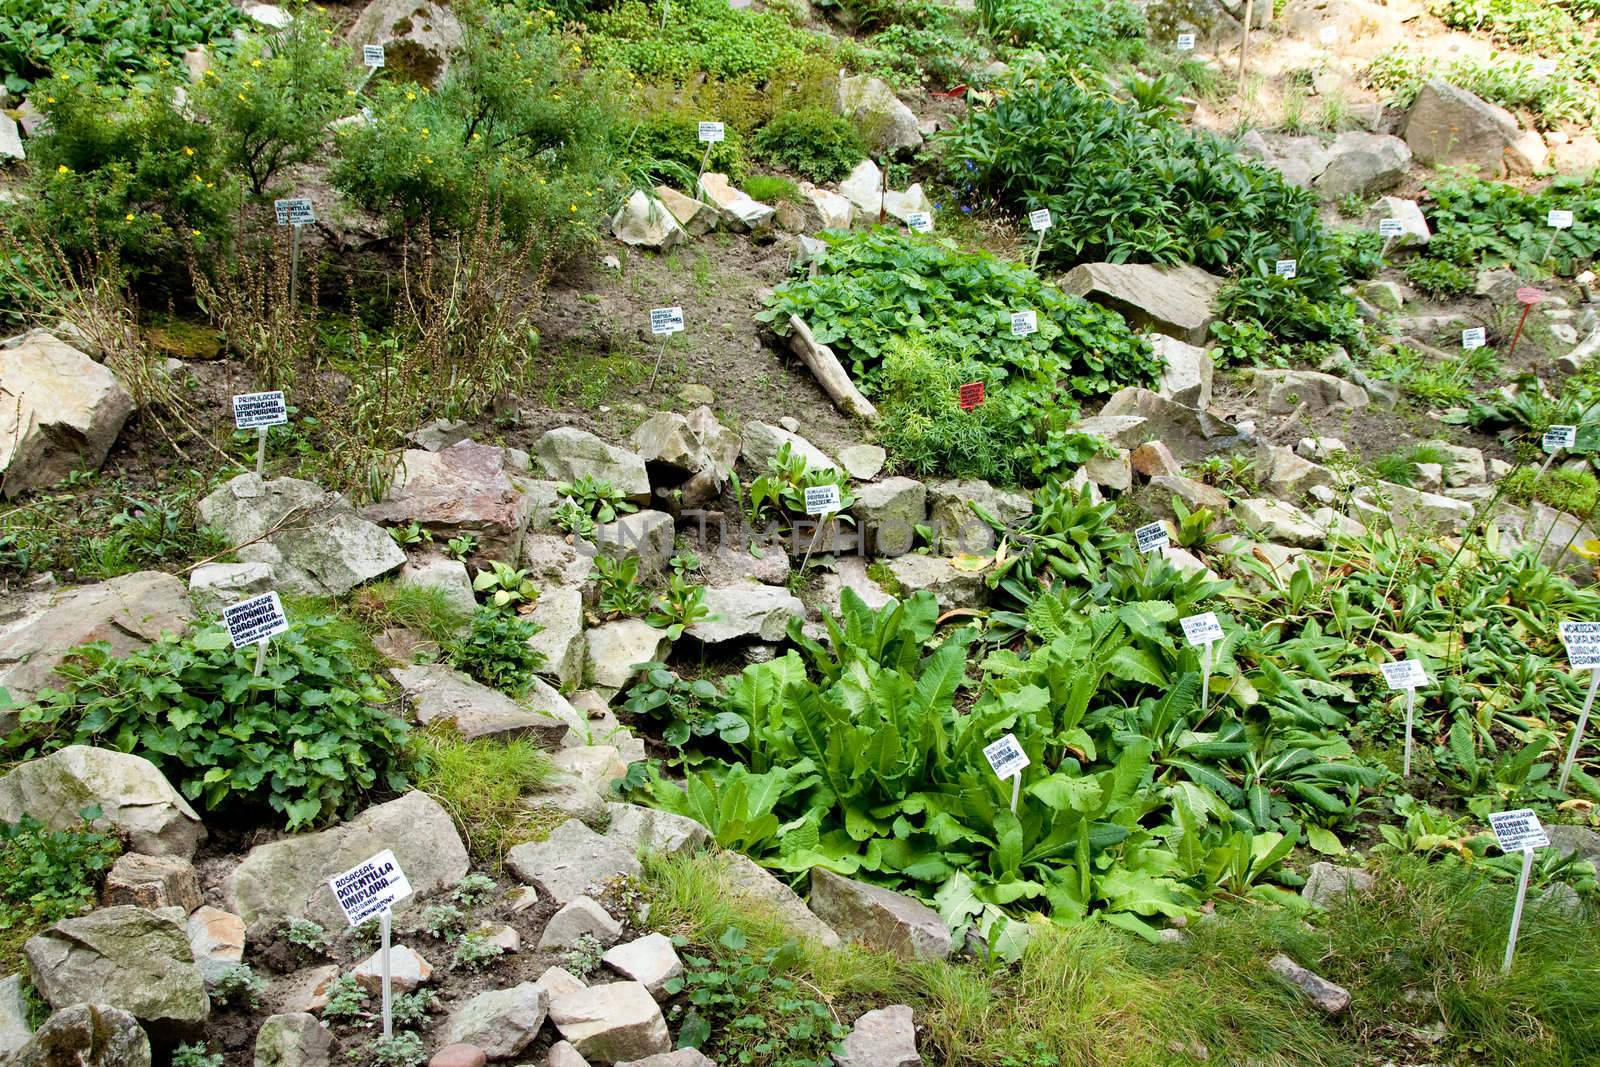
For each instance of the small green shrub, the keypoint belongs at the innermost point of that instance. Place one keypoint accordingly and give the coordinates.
(482, 785)
(473, 889)
(306, 738)
(687, 709)
(680, 607)
(474, 952)
(770, 189)
(48, 875)
(1439, 278)
(238, 987)
(495, 650)
(673, 138)
(620, 591)
(199, 1055)
(1575, 492)
(811, 141)
(704, 36)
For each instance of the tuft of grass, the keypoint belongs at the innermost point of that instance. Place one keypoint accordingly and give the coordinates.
(425, 609)
(769, 189)
(482, 785)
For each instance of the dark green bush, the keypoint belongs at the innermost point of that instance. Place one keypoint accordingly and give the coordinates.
(307, 738)
(1502, 224)
(49, 875)
(813, 142)
(107, 40)
(674, 139)
(495, 650)
(703, 36)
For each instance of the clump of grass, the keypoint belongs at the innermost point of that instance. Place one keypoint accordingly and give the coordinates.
(769, 189)
(425, 609)
(482, 784)
(1401, 467)
(1574, 491)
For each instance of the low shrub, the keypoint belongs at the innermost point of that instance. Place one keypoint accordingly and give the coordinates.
(482, 785)
(813, 142)
(48, 875)
(495, 650)
(706, 37)
(307, 738)
(1497, 224)
(674, 139)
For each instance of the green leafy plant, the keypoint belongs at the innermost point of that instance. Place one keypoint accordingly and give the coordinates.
(620, 591)
(688, 709)
(461, 546)
(48, 875)
(495, 650)
(473, 889)
(474, 952)
(309, 935)
(238, 987)
(583, 958)
(399, 1050)
(196, 1055)
(679, 608)
(507, 586)
(813, 142)
(306, 738)
(441, 921)
(596, 499)
(132, 41)
(410, 535)
(346, 999)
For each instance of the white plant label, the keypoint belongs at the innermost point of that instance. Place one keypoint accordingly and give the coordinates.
(372, 55)
(370, 888)
(1476, 337)
(253, 410)
(1006, 757)
(252, 621)
(920, 221)
(822, 499)
(1560, 220)
(1544, 67)
(1040, 221)
(295, 211)
(1152, 537)
(1390, 228)
(1186, 42)
(711, 132)
(1406, 674)
(1517, 830)
(1582, 642)
(1202, 629)
(1559, 437)
(1024, 322)
(666, 321)
(1286, 268)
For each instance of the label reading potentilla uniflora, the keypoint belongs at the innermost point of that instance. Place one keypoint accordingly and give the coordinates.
(370, 888)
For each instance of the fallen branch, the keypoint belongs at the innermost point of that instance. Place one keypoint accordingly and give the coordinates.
(828, 371)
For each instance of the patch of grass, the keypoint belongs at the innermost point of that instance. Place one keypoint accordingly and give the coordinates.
(880, 572)
(769, 189)
(579, 379)
(425, 609)
(1575, 492)
(482, 785)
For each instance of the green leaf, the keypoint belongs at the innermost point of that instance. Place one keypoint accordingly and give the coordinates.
(1324, 841)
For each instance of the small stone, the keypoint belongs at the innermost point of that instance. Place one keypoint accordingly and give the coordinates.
(501, 1022)
(651, 960)
(216, 938)
(684, 1057)
(459, 1055)
(1326, 883)
(862, 462)
(694, 394)
(407, 970)
(790, 423)
(1153, 459)
(616, 1022)
(500, 935)
(308, 990)
(562, 1054)
(558, 982)
(577, 919)
(295, 1039)
(1324, 994)
(883, 1038)
(571, 861)
(152, 882)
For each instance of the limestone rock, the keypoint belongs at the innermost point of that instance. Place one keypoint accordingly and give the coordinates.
(458, 1056)
(580, 781)
(1324, 994)
(747, 611)
(1362, 164)
(612, 1023)
(643, 535)
(407, 970)
(314, 539)
(501, 1022)
(213, 586)
(950, 586)
(1278, 521)
(1575, 840)
(696, 217)
(645, 222)
(1463, 466)
(889, 512)
(879, 917)
(889, 124)
(558, 981)
(886, 1037)
(1450, 127)
(571, 861)
(216, 939)
(902, 205)
(1185, 430)
(14, 1027)
(687, 444)
(957, 527)
(567, 454)
(650, 830)
(863, 188)
(38, 632)
(1288, 475)
(650, 960)
(562, 1054)
(683, 1057)
(1174, 300)
(1153, 458)
(1385, 503)
(549, 559)
(10, 139)
(862, 462)
(288, 878)
(62, 412)
(1111, 472)
(615, 648)
(1414, 233)
(460, 489)
(835, 211)
(578, 918)
(1193, 494)
(1186, 371)
(559, 614)
(741, 213)
(294, 1039)
(1326, 883)
(749, 879)
(1301, 160)
(1335, 524)
(134, 797)
(307, 990)
(435, 693)
(1285, 390)
(763, 441)
(123, 956)
(86, 1035)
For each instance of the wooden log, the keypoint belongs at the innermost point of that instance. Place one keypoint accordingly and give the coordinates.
(829, 372)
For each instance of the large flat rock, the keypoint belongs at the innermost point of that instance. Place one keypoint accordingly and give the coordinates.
(461, 489)
(435, 693)
(1174, 300)
(62, 412)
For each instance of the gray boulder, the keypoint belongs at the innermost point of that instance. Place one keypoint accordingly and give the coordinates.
(134, 797)
(1174, 300)
(127, 957)
(501, 1022)
(612, 1023)
(435, 693)
(39, 631)
(651, 830)
(463, 489)
(1362, 164)
(86, 1035)
(572, 861)
(889, 513)
(14, 1028)
(747, 878)
(683, 1057)
(62, 412)
(1326, 883)
(950, 586)
(579, 918)
(1186, 371)
(614, 648)
(213, 586)
(643, 221)
(567, 454)
(559, 614)
(419, 36)
(288, 878)
(687, 444)
(749, 611)
(1414, 233)
(1450, 127)
(1184, 430)
(957, 527)
(886, 1037)
(435, 570)
(1283, 391)
(294, 1039)
(763, 441)
(1278, 521)
(643, 535)
(10, 139)
(314, 539)
(879, 917)
(889, 124)
(649, 960)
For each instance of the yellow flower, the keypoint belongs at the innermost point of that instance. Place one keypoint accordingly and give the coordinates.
(194, 233)
(410, 95)
(424, 131)
(475, 136)
(61, 77)
(49, 99)
(242, 100)
(427, 159)
(63, 169)
(188, 151)
(128, 217)
(255, 62)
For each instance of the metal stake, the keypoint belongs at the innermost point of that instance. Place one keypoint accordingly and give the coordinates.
(662, 352)
(388, 1015)
(261, 656)
(261, 449)
(1034, 263)
(1411, 704)
(1516, 912)
(1244, 40)
(1577, 733)
(1205, 676)
(294, 265)
(1016, 790)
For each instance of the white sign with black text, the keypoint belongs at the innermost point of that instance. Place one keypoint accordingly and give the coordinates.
(254, 410)
(711, 132)
(665, 321)
(1582, 641)
(1286, 268)
(374, 888)
(1406, 674)
(1559, 437)
(1518, 831)
(1558, 219)
(919, 221)
(822, 499)
(1186, 42)
(295, 211)
(1024, 322)
(1152, 537)
(253, 621)
(1040, 220)
(1007, 760)
(1476, 337)
(1390, 228)
(372, 55)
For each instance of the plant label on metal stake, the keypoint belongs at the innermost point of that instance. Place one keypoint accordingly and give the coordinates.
(1406, 674)
(1039, 221)
(664, 322)
(257, 411)
(1582, 641)
(919, 221)
(1559, 437)
(1186, 42)
(255, 622)
(1518, 831)
(709, 133)
(1544, 67)
(1007, 760)
(1286, 268)
(1476, 337)
(294, 212)
(970, 395)
(372, 55)
(373, 888)
(1024, 322)
(1557, 220)
(1152, 537)
(1390, 228)
(1203, 630)
(819, 500)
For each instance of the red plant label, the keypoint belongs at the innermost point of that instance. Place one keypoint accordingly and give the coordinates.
(971, 395)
